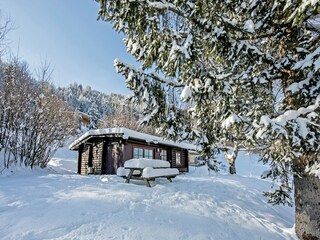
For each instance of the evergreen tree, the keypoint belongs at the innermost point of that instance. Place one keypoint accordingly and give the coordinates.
(92, 102)
(244, 69)
(94, 116)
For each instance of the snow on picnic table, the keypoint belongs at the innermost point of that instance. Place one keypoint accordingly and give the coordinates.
(144, 162)
(197, 205)
(149, 172)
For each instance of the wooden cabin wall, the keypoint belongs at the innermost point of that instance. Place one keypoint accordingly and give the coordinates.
(183, 167)
(156, 153)
(108, 158)
(173, 158)
(97, 152)
(96, 158)
(127, 151)
(79, 159)
(104, 157)
(171, 154)
(109, 154)
(112, 157)
(185, 157)
(84, 153)
(117, 157)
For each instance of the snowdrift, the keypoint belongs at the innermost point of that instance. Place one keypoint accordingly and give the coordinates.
(56, 203)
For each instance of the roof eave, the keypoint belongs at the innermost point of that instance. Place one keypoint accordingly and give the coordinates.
(76, 146)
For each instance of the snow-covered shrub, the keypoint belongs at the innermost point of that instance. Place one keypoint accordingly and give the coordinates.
(34, 121)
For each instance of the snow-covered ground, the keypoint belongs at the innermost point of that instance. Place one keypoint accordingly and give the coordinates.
(58, 204)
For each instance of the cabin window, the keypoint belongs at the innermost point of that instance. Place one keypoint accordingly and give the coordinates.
(178, 158)
(148, 153)
(163, 154)
(137, 153)
(142, 153)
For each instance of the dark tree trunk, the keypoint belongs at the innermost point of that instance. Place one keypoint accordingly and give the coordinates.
(307, 203)
(232, 168)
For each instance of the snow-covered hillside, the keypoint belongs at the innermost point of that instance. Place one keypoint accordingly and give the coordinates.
(58, 204)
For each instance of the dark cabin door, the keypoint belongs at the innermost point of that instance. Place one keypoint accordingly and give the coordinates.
(112, 157)
(107, 159)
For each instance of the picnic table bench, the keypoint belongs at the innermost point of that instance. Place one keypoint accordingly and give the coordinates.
(147, 170)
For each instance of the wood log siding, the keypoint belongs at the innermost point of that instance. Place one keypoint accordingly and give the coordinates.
(108, 159)
(174, 159)
(127, 151)
(104, 157)
(183, 158)
(84, 159)
(183, 167)
(184, 161)
(144, 147)
(108, 154)
(96, 155)
(97, 152)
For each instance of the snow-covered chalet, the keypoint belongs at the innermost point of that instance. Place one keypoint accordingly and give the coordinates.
(102, 151)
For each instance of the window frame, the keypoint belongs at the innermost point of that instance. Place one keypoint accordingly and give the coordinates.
(138, 153)
(178, 163)
(149, 150)
(164, 155)
(144, 149)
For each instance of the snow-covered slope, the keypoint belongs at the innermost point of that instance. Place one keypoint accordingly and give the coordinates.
(59, 204)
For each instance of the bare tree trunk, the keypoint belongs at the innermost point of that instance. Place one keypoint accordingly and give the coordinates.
(232, 158)
(307, 203)
(232, 167)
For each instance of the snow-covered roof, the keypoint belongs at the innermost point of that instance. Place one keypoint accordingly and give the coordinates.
(126, 133)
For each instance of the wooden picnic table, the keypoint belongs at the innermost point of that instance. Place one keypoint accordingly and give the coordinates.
(132, 176)
(148, 170)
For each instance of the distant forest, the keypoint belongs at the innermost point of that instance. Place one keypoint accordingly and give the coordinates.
(92, 102)
(105, 110)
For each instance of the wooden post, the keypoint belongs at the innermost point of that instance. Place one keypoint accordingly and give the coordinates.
(129, 176)
(146, 181)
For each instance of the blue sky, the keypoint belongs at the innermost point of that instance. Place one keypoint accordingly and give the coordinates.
(66, 33)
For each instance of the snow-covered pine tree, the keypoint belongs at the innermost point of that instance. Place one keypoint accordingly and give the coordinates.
(228, 59)
(94, 116)
(92, 102)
